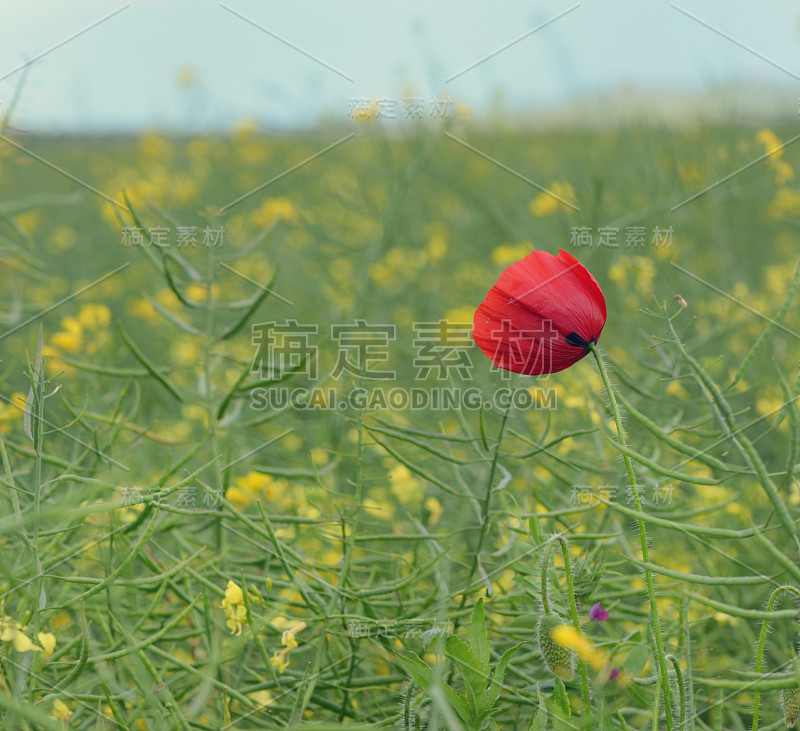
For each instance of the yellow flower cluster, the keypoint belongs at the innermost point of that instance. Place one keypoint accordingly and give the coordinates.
(248, 489)
(786, 203)
(408, 489)
(280, 658)
(233, 606)
(84, 331)
(278, 490)
(573, 639)
(12, 631)
(11, 410)
(61, 711)
(398, 266)
(275, 209)
(551, 201)
(506, 254)
(774, 148)
(637, 270)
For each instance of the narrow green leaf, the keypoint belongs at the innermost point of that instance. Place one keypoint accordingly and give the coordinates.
(137, 353)
(660, 469)
(478, 638)
(539, 722)
(237, 325)
(417, 668)
(493, 693)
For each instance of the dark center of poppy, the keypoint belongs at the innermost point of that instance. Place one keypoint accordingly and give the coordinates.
(577, 341)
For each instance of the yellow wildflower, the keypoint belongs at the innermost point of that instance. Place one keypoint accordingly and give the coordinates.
(11, 410)
(435, 510)
(22, 643)
(774, 149)
(509, 253)
(140, 307)
(48, 643)
(572, 639)
(405, 486)
(249, 488)
(785, 203)
(262, 697)
(771, 142)
(70, 337)
(60, 711)
(275, 209)
(94, 316)
(233, 605)
(280, 658)
(464, 313)
(12, 631)
(198, 291)
(550, 201)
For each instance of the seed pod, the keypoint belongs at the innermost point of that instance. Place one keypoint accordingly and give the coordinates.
(790, 705)
(560, 660)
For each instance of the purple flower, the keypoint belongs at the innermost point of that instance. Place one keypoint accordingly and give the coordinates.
(598, 614)
(613, 673)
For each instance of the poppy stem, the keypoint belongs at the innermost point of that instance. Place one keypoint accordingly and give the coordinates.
(573, 606)
(648, 574)
(762, 639)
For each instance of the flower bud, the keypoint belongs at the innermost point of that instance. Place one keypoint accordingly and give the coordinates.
(560, 660)
(790, 705)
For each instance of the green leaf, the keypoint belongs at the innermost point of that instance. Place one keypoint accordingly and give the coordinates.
(539, 722)
(142, 358)
(636, 660)
(297, 707)
(474, 678)
(604, 716)
(493, 693)
(418, 669)
(455, 702)
(255, 303)
(423, 676)
(537, 534)
(478, 639)
(562, 700)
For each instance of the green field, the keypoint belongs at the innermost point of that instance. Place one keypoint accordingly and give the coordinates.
(244, 485)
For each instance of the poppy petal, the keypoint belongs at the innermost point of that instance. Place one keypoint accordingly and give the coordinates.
(541, 315)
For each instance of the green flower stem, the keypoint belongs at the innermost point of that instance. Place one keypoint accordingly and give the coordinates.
(648, 574)
(573, 605)
(210, 405)
(37, 394)
(773, 597)
(681, 690)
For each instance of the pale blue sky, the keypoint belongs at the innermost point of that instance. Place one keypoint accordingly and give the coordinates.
(122, 74)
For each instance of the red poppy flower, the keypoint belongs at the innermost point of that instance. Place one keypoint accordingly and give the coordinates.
(541, 315)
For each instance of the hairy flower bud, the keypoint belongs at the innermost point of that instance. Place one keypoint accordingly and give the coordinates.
(560, 660)
(790, 705)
